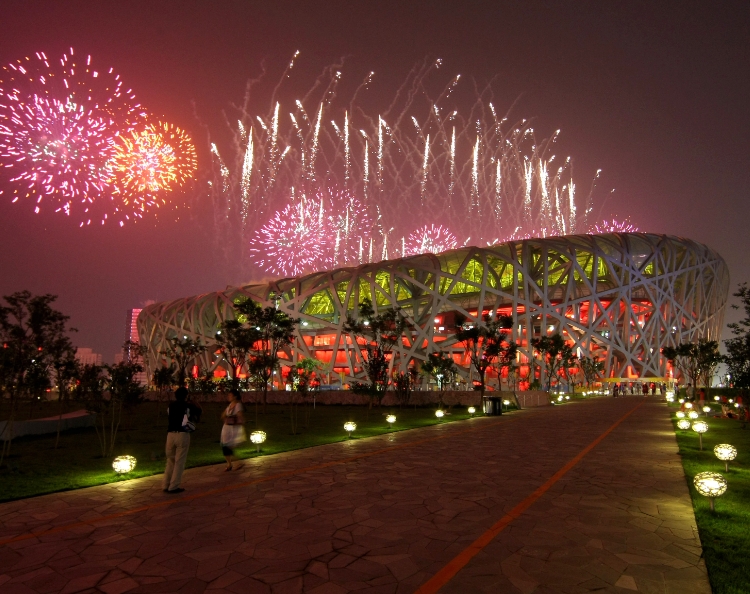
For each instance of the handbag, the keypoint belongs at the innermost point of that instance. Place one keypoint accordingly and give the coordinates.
(187, 425)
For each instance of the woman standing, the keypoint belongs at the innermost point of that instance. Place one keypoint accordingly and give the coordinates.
(233, 431)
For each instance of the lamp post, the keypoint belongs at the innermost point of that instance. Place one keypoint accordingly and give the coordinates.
(725, 453)
(700, 427)
(711, 485)
(472, 410)
(439, 413)
(391, 419)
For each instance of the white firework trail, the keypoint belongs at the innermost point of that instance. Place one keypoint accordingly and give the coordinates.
(435, 153)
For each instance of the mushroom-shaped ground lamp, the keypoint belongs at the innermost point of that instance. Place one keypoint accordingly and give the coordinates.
(725, 453)
(711, 485)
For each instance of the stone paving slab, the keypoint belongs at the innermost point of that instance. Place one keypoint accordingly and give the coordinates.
(619, 521)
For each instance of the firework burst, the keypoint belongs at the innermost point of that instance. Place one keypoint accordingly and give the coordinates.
(58, 125)
(430, 239)
(294, 241)
(148, 163)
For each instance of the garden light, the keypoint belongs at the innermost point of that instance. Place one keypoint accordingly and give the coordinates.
(711, 485)
(439, 413)
(679, 414)
(472, 410)
(258, 437)
(506, 402)
(683, 424)
(706, 409)
(391, 419)
(681, 401)
(688, 405)
(725, 453)
(567, 397)
(717, 398)
(123, 464)
(700, 427)
(693, 415)
(349, 427)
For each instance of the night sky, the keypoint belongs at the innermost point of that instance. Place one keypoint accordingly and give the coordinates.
(657, 95)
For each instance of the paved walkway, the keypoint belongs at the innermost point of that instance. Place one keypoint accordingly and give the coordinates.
(387, 514)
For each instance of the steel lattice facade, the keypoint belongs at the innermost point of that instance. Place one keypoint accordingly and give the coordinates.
(620, 296)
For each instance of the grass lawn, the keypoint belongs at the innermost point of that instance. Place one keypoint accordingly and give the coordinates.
(35, 467)
(725, 534)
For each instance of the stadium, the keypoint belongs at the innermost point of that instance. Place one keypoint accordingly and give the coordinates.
(620, 296)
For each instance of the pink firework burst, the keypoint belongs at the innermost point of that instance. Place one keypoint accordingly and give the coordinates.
(614, 226)
(432, 239)
(59, 121)
(293, 242)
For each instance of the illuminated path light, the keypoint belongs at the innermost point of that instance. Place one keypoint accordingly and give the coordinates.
(711, 485)
(725, 453)
(123, 464)
(349, 427)
(258, 437)
(700, 427)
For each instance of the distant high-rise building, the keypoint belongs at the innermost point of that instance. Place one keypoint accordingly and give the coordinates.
(86, 356)
(131, 336)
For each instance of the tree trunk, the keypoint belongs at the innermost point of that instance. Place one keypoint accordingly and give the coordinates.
(61, 403)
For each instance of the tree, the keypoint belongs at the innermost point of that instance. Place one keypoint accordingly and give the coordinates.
(124, 391)
(183, 352)
(554, 353)
(380, 332)
(506, 359)
(235, 340)
(403, 385)
(90, 390)
(709, 358)
(65, 369)
(738, 347)
(485, 343)
(271, 332)
(513, 375)
(441, 367)
(696, 360)
(568, 361)
(163, 380)
(29, 326)
(591, 368)
(301, 378)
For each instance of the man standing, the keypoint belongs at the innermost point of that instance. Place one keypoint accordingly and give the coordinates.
(178, 439)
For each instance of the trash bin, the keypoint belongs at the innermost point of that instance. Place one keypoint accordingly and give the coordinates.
(493, 405)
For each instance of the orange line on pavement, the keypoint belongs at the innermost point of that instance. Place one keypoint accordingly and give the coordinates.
(234, 487)
(449, 571)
